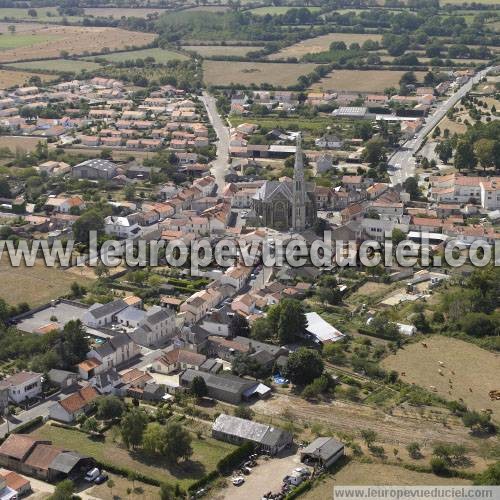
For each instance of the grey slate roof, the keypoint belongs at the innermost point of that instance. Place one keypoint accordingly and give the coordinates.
(65, 461)
(113, 307)
(59, 376)
(246, 429)
(107, 378)
(228, 383)
(323, 448)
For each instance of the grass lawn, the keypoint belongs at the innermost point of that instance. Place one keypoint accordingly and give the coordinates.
(221, 50)
(23, 40)
(63, 65)
(276, 11)
(206, 453)
(35, 285)
(473, 371)
(119, 490)
(247, 73)
(313, 125)
(362, 81)
(160, 55)
(363, 474)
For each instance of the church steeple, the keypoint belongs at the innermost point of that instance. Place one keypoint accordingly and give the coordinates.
(299, 190)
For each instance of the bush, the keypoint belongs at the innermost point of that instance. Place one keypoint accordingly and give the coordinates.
(229, 462)
(206, 479)
(439, 466)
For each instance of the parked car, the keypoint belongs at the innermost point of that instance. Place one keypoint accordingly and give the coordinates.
(101, 478)
(92, 475)
(238, 481)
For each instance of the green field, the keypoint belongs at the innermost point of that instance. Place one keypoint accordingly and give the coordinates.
(160, 55)
(276, 11)
(206, 453)
(23, 40)
(43, 14)
(62, 65)
(221, 50)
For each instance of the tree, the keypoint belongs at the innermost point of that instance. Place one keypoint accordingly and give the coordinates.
(32, 13)
(397, 236)
(90, 425)
(261, 329)
(152, 439)
(238, 326)
(479, 422)
(132, 427)
(178, 443)
(464, 156)
(72, 345)
(303, 366)
(109, 407)
(12, 29)
(478, 324)
(485, 151)
(129, 192)
(77, 290)
(64, 490)
(335, 353)
(444, 151)
(91, 220)
(199, 387)
(374, 151)
(369, 436)
(439, 466)
(411, 186)
(287, 319)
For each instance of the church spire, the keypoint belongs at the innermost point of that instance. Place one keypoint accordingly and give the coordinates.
(299, 190)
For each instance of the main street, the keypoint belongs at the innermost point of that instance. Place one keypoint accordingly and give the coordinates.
(221, 164)
(402, 162)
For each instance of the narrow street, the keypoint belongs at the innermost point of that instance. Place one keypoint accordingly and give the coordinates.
(220, 165)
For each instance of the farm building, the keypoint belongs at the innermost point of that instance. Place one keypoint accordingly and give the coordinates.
(323, 451)
(94, 169)
(237, 430)
(320, 330)
(228, 388)
(38, 458)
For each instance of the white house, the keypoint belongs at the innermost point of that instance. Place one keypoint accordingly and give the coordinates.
(121, 227)
(103, 314)
(114, 352)
(156, 327)
(22, 386)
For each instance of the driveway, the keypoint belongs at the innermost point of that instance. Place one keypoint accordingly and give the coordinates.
(267, 476)
(40, 410)
(220, 165)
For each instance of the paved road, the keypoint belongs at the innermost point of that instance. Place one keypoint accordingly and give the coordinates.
(402, 162)
(220, 165)
(41, 410)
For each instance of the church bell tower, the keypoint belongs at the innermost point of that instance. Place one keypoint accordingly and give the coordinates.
(299, 190)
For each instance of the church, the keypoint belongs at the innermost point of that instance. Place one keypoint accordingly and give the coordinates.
(288, 205)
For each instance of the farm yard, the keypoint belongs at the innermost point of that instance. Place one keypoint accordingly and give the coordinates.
(362, 81)
(35, 285)
(50, 41)
(366, 474)
(321, 44)
(468, 372)
(160, 55)
(248, 73)
(206, 453)
(221, 50)
(62, 65)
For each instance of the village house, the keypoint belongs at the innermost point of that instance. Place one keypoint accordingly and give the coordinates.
(22, 386)
(70, 408)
